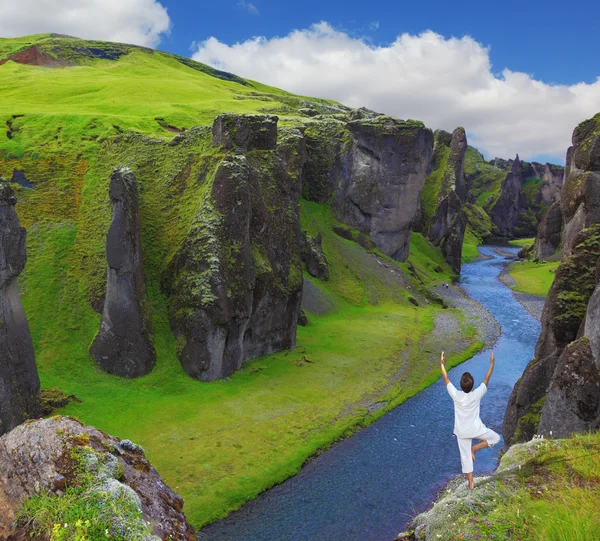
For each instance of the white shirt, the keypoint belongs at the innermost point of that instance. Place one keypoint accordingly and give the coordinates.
(467, 423)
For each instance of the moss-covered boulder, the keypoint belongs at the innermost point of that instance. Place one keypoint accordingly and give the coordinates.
(58, 471)
(312, 254)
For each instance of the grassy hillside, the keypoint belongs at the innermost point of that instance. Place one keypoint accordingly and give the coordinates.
(221, 443)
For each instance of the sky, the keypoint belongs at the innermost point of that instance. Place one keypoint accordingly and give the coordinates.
(519, 76)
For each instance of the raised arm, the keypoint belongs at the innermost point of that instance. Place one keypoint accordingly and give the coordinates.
(490, 370)
(443, 368)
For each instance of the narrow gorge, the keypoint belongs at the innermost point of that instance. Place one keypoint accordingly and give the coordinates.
(236, 277)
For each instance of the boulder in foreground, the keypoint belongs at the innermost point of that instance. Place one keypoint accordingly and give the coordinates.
(52, 466)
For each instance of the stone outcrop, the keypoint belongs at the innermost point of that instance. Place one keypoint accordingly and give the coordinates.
(50, 456)
(505, 213)
(560, 387)
(19, 381)
(235, 283)
(548, 237)
(312, 254)
(449, 220)
(372, 171)
(123, 345)
(245, 132)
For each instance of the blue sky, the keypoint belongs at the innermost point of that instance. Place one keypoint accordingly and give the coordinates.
(547, 39)
(519, 76)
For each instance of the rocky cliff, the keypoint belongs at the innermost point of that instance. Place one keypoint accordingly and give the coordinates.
(19, 381)
(235, 284)
(59, 463)
(123, 345)
(449, 219)
(505, 212)
(559, 390)
(549, 233)
(372, 169)
(516, 211)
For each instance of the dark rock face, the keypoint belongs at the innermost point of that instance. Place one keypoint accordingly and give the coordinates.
(573, 398)
(245, 132)
(313, 256)
(449, 220)
(123, 346)
(553, 180)
(505, 213)
(37, 457)
(560, 388)
(235, 284)
(372, 170)
(548, 237)
(19, 381)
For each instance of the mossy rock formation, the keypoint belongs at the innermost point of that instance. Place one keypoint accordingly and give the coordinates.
(123, 345)
(19, 381)
(448, 222)
(371, 170)
(235, 284)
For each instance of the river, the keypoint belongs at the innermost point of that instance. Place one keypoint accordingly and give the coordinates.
(367, 488)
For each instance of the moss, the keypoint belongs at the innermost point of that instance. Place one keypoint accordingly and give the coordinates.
(433, 183)
(326, 144)
(574, 284)
(261, 260)
(528, 422)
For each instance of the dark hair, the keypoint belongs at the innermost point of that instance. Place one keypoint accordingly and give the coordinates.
(466, 382)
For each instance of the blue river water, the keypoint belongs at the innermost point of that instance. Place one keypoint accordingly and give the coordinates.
(367, 488)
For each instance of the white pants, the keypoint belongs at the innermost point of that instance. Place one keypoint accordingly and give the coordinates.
(464, 446)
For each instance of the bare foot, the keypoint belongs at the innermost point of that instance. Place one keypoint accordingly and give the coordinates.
(473, 452)
(471, 485)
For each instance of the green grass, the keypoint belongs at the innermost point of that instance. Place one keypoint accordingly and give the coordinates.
(470, 244)
(522, 243)
(533, 278)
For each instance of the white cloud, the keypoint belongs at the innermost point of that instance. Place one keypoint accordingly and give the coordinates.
(140, 22)
(443, 82)
(247, 6)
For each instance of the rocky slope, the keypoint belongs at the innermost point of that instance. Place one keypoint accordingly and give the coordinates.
(558, 391)
(110, 480)
(19, 381)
